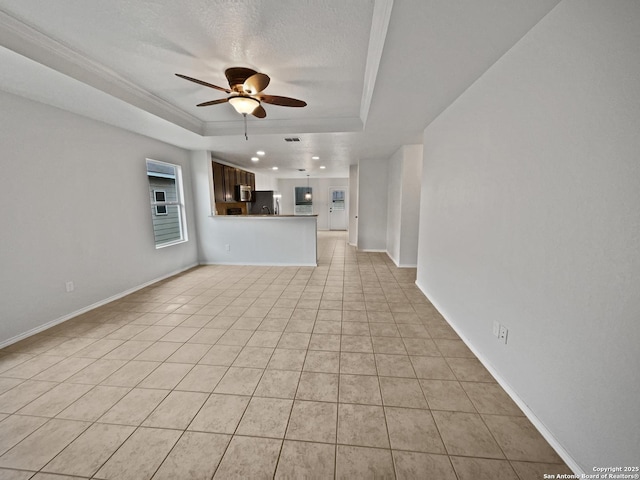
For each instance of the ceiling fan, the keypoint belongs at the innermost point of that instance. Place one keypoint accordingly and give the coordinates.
(245, 89)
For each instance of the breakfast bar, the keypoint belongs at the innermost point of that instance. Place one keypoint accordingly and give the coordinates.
(282, 240)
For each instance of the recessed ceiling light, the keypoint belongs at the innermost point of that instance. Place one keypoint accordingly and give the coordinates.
(315, 158)
(322, 167)
(274, 168)
(260, 152)
(254, 159)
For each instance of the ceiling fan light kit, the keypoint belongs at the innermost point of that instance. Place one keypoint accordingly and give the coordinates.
(244, 105)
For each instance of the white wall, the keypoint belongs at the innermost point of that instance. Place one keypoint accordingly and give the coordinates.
(320, 188)
(353, 204)
(264, 181)
(372, 205)
(75, 207)
(530, 216)
(411, 184)
(268, 240)
(394, 205)
(404, 171)
(202, 184)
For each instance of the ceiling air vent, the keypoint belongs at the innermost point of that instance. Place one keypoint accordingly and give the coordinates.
(292, 139)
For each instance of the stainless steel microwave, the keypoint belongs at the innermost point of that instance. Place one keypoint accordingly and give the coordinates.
(243, 193)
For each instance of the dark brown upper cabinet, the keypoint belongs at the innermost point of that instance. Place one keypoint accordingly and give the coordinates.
(225, 179)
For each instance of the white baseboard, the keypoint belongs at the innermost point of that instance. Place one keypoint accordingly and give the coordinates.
(400, 265)
(395, 262)
(253, 264)
(540, 426)
(71, 315)
(372, 250)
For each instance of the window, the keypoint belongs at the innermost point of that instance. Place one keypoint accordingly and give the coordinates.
(303, 196)
(167, 203)
(161, 197)
(337, 202)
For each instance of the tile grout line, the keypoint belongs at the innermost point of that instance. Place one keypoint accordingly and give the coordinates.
(245, 409)
(208, 285)
(335, 455)
(284, 436)
(384, 411)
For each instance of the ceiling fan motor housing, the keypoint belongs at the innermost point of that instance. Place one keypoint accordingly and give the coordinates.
(237, 76)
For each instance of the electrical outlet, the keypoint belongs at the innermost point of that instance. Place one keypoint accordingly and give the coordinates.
(70, 287)
(227, 247)
(503, 334)
(496, 329)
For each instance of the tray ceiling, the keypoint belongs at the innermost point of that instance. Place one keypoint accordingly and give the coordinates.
(374, 73)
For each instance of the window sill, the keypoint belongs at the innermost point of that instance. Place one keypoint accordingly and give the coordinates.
(170, 244)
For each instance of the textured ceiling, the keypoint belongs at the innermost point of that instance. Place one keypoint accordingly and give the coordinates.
(147, 42)
(115, 61)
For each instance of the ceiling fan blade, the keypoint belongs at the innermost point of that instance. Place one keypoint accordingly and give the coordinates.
(237, 76)
(259, 112)
(256, 83)
(200, 82)
(282, 101)
(213, 102)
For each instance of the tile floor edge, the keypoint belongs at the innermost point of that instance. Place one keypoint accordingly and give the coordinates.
(533, 418)
(93, 306)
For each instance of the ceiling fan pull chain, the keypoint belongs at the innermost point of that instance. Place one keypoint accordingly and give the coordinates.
(245, 126)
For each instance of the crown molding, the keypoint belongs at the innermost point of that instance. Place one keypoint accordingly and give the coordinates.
(290, 126)
(31, 43)
(379, 26)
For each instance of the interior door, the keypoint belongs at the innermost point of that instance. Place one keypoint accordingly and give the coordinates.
(337, 208)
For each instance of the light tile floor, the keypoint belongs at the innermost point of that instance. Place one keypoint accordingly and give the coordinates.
(340, 371)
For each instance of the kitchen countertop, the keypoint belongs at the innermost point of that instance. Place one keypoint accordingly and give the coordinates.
(264, 216)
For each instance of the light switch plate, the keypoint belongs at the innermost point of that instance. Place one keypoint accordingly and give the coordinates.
(496, 329)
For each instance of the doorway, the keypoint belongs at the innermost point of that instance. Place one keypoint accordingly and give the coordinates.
(337, 208)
